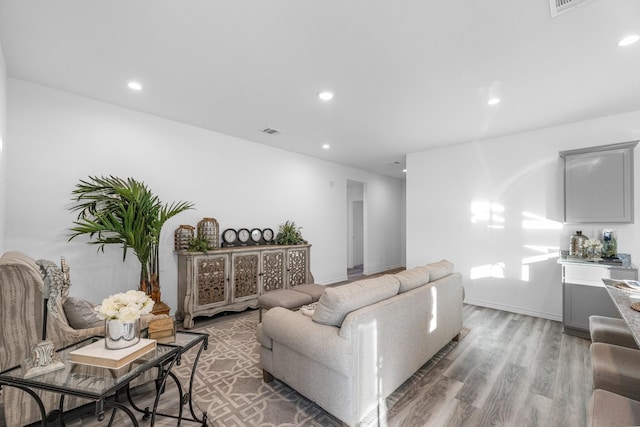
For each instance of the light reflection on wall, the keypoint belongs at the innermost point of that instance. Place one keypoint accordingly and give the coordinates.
(532, 221)
(490, 214)
(546, 253)
(488, 270)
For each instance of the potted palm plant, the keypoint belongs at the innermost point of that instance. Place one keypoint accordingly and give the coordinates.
(125, 212)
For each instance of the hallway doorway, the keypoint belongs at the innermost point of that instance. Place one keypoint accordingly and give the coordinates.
(355, 229)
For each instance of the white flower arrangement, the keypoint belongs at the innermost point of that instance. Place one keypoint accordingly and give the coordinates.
(592, 243)
(126, 307)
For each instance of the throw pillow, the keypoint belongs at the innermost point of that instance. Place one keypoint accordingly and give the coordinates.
(336, 302)
(80, 314)
(309, 309)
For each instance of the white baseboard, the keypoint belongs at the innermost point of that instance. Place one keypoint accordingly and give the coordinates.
(512, 309)
(333, 280)
(382, 269)
(344, 278)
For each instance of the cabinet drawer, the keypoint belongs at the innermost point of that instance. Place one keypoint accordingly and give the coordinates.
(585, 275)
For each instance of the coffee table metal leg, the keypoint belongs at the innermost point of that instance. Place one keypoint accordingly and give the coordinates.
(163, 380)
(116, 405)
(204, 346)
(187, 397)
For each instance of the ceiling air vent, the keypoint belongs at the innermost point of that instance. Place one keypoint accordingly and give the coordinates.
(270, 131)
(561, 6)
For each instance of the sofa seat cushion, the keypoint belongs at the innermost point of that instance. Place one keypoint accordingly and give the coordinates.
(411, 279)
(336, 302)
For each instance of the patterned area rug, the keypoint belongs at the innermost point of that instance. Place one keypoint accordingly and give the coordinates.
(229, 382)
(229, 387)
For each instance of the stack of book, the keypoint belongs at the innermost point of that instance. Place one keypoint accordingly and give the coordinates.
(162, 330)
(96, 354)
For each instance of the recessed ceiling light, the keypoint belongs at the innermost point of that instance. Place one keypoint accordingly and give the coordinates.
(326, 95)
(134, 85)
(325, 146)
(493, 101)
(404, 170)
(629, 40)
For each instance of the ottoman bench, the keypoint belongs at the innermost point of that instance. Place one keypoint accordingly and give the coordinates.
(291, 299)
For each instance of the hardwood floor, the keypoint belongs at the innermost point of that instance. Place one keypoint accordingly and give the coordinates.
(510, 370)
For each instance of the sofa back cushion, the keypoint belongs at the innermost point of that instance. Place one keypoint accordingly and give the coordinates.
(336, 302)
(411, 279)
(438, 270)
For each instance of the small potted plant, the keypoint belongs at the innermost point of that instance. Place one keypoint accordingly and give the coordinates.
(200, 244)
(289, 234)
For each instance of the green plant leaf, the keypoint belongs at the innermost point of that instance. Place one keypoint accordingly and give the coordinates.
(125, 212)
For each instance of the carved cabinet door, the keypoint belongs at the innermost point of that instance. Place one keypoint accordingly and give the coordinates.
(273, 270)
(297, 266)
(210, 277)
(244, 275)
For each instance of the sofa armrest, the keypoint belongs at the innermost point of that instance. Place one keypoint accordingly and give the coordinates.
(264, 340)
(313, 340)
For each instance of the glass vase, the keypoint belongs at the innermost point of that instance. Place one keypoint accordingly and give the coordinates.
(118, 335)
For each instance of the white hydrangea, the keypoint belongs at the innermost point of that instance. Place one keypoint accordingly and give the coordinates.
(126, 307)
(592, 243)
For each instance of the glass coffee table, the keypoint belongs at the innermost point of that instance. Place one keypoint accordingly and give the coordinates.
(102, 384)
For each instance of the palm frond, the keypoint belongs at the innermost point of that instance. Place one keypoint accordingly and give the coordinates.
(113, 210)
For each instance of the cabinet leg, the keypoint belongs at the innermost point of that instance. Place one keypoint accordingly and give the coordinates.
(266, 376)
(188, 322)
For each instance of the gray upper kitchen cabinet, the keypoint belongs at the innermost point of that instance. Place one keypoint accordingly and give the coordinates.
(598, 184)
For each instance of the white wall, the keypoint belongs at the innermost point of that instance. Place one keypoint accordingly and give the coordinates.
(3, 143)
(59, 138)
(522, 174)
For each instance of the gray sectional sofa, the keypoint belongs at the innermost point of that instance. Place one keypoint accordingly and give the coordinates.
(364, 339)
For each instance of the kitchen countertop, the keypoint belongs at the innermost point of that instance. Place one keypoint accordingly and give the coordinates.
(603, 263)
(623, 300)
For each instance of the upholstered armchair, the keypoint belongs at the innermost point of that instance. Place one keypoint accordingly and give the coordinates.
(22, 283)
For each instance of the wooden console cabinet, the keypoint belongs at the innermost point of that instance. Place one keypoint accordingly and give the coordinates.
(231, 279)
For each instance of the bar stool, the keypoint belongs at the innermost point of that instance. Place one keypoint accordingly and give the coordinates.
(610, 330)
(616, 369)
(610, 409)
